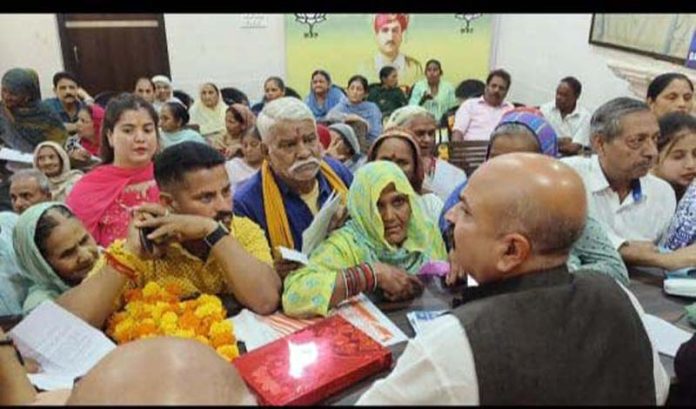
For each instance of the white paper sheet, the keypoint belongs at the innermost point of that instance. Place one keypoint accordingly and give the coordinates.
(666, 337)
(470, 281)
(293, 255)
(256, 331)
(319, 228)
(64, 346)
(12, 155)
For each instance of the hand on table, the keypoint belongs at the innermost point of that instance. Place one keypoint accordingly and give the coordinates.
(396, 283)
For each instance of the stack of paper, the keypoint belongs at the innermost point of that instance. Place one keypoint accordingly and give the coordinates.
(319, 229)
(419, 320)
(256, 330)
(62, 344)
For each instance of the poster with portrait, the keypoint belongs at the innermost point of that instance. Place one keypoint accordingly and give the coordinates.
(349, 44)
(664, 36)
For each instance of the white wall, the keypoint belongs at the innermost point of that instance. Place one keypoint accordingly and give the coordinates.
(537, 49)
(540, 49)
(214, 47)
(31, 41)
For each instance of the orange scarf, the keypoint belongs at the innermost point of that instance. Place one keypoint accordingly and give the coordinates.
(274, 207)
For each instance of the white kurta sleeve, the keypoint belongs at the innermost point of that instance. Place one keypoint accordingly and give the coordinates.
(436, 368)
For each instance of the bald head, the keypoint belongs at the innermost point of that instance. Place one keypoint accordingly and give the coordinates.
(527, 209)
(162, 371)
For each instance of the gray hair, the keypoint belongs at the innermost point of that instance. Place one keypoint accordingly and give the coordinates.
(282, 109)
(606, 120)
(510, 128)
(24, 174)
(403, 116)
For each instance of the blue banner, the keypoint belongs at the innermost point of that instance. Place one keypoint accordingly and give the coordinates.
(691, 55)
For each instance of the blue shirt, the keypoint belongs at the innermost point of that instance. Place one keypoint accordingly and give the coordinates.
(451, 201)
(57, 106)
(248, 201)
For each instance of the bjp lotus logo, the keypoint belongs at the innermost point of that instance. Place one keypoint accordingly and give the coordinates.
(310, 19)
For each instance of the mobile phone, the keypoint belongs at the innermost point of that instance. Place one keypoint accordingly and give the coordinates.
(146, 244)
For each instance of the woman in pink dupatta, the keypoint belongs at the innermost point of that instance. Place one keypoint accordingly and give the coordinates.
(104, 197)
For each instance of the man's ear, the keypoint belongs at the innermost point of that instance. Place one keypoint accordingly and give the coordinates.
(598, 143)
(512, 250)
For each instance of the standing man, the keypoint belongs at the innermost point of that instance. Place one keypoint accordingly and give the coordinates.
(634, 206)
(477, 117)
(570, 121)
(389, 34)
(294, 180)
(69, 99)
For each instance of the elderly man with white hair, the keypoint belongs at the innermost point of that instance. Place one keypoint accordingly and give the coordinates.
(163, 91)
(294, 180)
(440, 176)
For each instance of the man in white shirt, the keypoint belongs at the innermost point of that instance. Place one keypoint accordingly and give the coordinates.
(477, 117)
(529, 333)
(570, 121)
(634, 206)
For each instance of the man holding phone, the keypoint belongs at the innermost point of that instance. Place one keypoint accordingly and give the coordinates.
(190, 239)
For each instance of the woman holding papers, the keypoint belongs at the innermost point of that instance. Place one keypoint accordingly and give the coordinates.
(382, 246)
(54, 250)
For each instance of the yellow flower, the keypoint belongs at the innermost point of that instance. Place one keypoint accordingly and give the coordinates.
(208, 309)
(202, 340)
(229, 352)
(209, 299)
(151, 289)
(184, 333)
(220, 328)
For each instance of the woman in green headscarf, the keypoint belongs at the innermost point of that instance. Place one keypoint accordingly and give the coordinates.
(26, 121)
(382, 246)
(54, 250)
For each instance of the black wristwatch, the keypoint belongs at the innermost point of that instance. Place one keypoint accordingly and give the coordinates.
(217, 234)
(8, 342)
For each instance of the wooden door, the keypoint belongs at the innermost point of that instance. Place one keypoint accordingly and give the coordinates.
(108, 52)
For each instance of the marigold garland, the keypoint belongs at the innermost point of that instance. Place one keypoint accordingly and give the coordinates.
(156, 311)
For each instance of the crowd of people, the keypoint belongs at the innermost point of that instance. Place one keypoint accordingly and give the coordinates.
(147, 188)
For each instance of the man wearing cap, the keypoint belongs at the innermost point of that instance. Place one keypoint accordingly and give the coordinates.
(389, 30)
(345, 147)
(163, 91)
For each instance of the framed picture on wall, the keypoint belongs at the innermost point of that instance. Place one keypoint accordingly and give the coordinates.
(663, 36)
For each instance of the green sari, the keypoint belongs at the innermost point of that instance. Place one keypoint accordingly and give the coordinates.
(308, 290)
(45, 283)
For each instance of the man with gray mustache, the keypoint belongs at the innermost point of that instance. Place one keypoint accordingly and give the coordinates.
(294, 180)
(634, 206)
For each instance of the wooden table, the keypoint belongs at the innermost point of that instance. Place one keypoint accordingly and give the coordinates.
(645, 284)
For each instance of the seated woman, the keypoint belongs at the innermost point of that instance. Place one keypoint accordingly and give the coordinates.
(670, 92)
(13, 283)
(344, 146)
(173, 118)
(356, 104)
(433, 93)
(240, 169)
(25, 120)
(676, 159)
(388, 96)
(323, 95)
(104, 197)
(83, 147)
(399, 146)
(239, 120)
(53, 161)
(521, 131)
(54, 250)
(440, 175)
(208, 112)
(273, 88)
(382, 246)
(145, 89)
